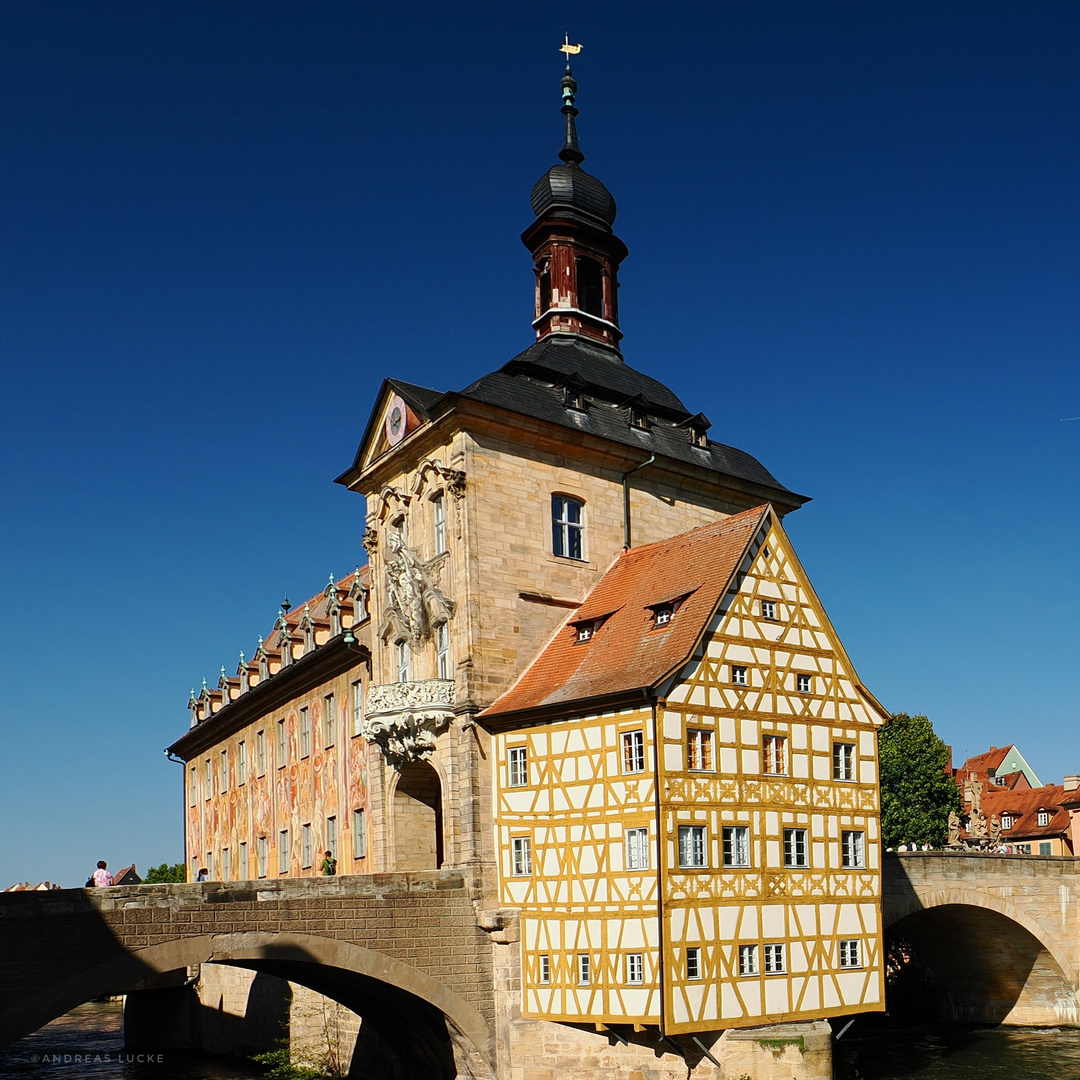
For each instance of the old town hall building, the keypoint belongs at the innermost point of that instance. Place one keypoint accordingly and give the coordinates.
(584, 663)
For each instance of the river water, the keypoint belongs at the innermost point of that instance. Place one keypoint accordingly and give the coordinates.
(88, 1044)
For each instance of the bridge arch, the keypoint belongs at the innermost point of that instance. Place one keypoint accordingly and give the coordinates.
(432, 1031)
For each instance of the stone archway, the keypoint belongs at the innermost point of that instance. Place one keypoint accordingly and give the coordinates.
(418, 818)
(425, 1029)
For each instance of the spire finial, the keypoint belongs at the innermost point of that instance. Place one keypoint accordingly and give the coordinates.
(570, 153)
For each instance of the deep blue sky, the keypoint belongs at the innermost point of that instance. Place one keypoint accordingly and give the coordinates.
(854, 242)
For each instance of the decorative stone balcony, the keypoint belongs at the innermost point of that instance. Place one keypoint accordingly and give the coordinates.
(405, 719)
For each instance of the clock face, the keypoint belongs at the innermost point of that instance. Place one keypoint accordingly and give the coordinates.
(395, 420)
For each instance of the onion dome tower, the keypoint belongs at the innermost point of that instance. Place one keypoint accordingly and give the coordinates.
(576, 254)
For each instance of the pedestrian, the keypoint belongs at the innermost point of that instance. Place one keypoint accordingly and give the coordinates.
(101, 876)
(329, 865)
(203, 874)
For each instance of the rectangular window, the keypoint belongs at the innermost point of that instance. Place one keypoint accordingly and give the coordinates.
(519, 766)
(329, 720)
(693, 963)
(241, 763)
(633, 751)
(209, 864)
(768, 609)
(1044, 847)
(635, 968)
(305, 733)
(283, 852)
(226, 865)
(796, 848)
(261, 851)
(401, 659)
(331, 836)
(567, 527)
(843, 761)
(748, 961)
(438, 520)
(305, 836)
(1044, 817)
(224, 770)
(853, 850)
(774, 960)
(359, 836)
(193, 785)
(545, 969)
(442, 651)
(637, 849)
(583, 972)
(208, 779)
(804, 683)
(281, 744)
(662, 614)
(194, 870)
(736, 845)
(699, 756)
(521, 849)
(1006, 821)
(357, 706)
(849, 953)
(692, 851)
(243, 867)
(774, 754)
(260, 753)
(738, 675)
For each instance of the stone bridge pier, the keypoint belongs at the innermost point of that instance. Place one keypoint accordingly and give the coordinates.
(1001, 933)
(403, 951)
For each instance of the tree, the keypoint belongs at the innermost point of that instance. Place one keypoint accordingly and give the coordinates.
(917, 792)
(156, 875)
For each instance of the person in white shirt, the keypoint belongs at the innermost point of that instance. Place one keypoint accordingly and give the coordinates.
(102, 877)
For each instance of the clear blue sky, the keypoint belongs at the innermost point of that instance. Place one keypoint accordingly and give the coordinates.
(854, 241)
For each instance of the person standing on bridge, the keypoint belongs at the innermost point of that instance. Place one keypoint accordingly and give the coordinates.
(329, 865)
(101, 876)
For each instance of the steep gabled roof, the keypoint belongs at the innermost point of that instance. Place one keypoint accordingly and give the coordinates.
(1024, 807)
(981, 764)
(628, 650)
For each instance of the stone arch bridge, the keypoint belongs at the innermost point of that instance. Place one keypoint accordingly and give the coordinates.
(404, 951)
(1000, 932)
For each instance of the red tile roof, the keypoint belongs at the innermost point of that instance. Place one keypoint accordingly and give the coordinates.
(628, 651)
(983, 763)
(1023, 807)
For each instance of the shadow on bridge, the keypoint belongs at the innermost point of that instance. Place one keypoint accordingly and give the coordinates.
(993, 959)
(413, 1027)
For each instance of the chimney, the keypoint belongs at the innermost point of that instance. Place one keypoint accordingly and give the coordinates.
(1071, 782)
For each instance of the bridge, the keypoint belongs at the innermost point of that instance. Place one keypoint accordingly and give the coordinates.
(412, 955)
(404, 951)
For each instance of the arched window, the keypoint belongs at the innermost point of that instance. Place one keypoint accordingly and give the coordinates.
(590, 287)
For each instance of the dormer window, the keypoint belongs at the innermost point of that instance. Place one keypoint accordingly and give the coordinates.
(1006, 821)
(1044, 817)
(574, 393)
(585, 631)
(999, 781)
(662, 614)
(639, 419)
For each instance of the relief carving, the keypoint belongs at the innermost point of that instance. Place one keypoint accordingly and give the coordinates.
(415, 603)
(404, 720)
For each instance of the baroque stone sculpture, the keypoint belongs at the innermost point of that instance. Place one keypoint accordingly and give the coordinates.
(415, 603)
(405, 719)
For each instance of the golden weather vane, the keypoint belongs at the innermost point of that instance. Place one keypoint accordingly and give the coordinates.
(570, 50)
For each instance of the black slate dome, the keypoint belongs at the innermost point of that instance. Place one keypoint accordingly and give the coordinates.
(568, 186)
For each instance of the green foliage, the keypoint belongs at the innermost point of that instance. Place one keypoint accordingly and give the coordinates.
(279, 1066)
(916, 791)
(164, 874)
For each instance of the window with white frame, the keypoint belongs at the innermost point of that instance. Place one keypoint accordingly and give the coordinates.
(774, 754)
(331, 836)
(226, 865)
(281, 744)
(519, 766)
(662, 614)
(635, 968)
(208, 779)
(224, 770)
(693, 962)
(773, 955)
(521, 856)
(305, 845)
(693, 851)
(438, 522)
(567, 527)
(736, 845)
(305, 732)
(1006, 821)
(260, 753)
(241, 763)
(852, 849)
(843, 758)
(768, 609)
(545, 968)
(1044, 817)
(584, 972)
(357, 706)
(637, 849)
(209, 864)
(699, 755)
(194, 870)
(796, 848)
(739, 675)
(243, 867)
(329, 720)
(359, 834)
(442, 651)
(633, 751)
(849, 953)
(585, 631)
(261, 847)
(804, 683)
(401, 661)
(193, 785)
(748, 960)
(283, 852)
